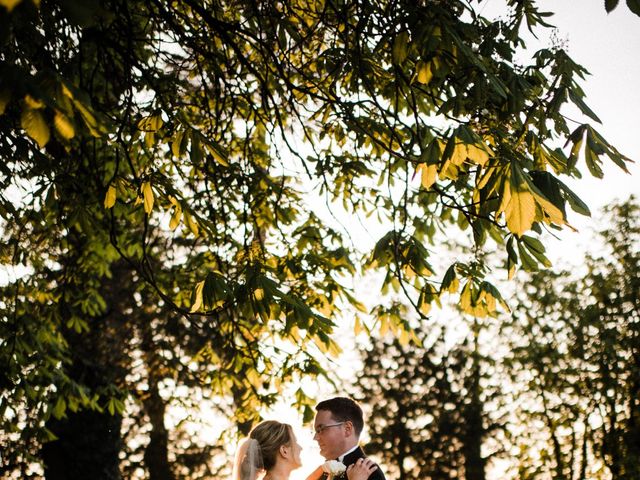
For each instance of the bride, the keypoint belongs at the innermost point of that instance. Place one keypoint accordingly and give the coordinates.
(271, 452)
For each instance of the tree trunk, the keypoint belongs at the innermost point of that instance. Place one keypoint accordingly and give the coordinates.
(156, 456)
(88, 447)
(472, 442)
(473, 429)
(89, 442)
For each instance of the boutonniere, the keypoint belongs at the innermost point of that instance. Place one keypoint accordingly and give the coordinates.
(333, 468)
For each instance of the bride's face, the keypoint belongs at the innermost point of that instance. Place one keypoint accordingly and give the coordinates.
(295, 449)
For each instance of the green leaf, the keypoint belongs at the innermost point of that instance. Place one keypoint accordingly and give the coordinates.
(593, 162)
(450, 282)
(609, 5)
(537, 249)
(89, 118)
(575, 98)
(576, 203)
(196, 150)
(218, 153)
(549, 186)
(512, 258)
(59, 408)
(577, 138)
(177, 147)
(400, 47)
(84, 14)
(528, 262)
(634, 6)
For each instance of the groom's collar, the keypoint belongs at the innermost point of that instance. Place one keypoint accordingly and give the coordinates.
(341, 457)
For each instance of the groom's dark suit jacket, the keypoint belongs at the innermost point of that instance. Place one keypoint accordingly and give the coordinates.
(354, 456)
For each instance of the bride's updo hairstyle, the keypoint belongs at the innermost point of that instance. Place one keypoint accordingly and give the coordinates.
(271, 435)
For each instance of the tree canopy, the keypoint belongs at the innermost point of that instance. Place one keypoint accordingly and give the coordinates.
(575, 358)
(169, 170)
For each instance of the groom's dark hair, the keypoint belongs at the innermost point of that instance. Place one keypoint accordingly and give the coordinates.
(344, 409)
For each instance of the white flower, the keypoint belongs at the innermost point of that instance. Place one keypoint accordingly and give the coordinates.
(333, 468)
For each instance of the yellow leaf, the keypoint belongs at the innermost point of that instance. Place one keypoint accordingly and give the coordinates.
(425, 307)
(88, 117)
(176, 142)
(459, 154)
(490, 302)
(384, 326)
(177, 215)
(424, 72)
(33, 123)
(429, 173)
(191, 223)
(357, 326)
(5, 98)
(477, 154)
(110, 197)
(66, 91)
(453, 288)
(197, 301)
(404, 339)
(152, 123)
(33, 102)
(521, 210)
(254, 378)
(449, 170)
(360, 306)
(217, 155)
(9, 4)
(408, 271)
(506, 196)
(147, 193)
(149, 139)
(320, 344)
(554, 213)
(63, 125)
(334, 349)
(465, 298)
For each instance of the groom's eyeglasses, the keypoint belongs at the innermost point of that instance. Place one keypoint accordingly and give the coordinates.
(322, 428)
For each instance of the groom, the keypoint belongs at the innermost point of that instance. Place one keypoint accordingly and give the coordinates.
(337, 427)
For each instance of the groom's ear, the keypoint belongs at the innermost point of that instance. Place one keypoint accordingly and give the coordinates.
(348, 427)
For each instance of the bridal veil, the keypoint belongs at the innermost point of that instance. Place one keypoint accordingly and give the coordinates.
(248, 463)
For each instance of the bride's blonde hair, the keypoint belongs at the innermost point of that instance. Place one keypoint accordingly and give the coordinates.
(271, 435)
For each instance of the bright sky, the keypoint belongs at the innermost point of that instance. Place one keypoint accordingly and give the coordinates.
(607, 45)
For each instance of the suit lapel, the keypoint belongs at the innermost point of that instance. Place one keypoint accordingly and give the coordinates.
(352, 457)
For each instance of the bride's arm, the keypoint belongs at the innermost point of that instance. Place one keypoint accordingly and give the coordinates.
(316, 474)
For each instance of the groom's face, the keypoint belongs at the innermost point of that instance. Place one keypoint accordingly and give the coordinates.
(330, 435)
